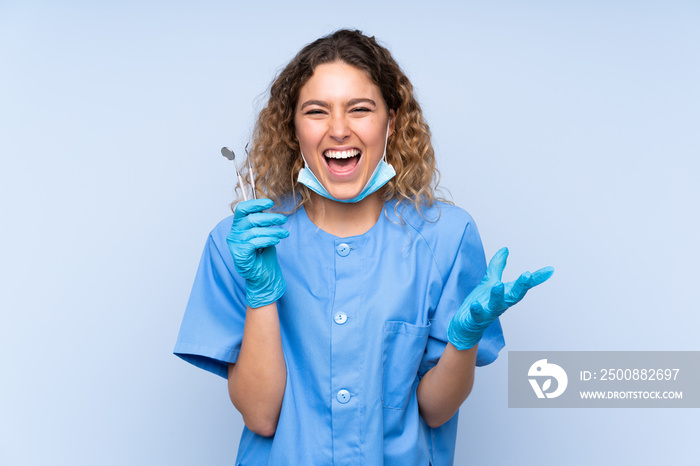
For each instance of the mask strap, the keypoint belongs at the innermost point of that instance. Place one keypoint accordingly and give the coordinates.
(386, 140)
(306, 164)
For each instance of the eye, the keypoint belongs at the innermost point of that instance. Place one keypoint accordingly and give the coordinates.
(314, 111)
(360, 110)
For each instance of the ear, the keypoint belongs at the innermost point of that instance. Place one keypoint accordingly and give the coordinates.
(392, 121)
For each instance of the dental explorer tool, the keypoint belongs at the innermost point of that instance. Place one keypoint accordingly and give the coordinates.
(250, 173)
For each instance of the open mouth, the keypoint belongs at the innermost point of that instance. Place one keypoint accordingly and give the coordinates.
(342, 161)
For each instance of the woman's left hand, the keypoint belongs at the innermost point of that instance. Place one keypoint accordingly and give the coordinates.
(489, 300)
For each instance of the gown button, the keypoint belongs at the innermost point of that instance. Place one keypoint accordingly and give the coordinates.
(343, 249)
(343, 396)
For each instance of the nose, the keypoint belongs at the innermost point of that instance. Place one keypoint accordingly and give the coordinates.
(339, 129)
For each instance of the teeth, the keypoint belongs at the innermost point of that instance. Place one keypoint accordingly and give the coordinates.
(341, 154)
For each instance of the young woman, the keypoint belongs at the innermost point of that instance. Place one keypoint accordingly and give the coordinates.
(349, 336)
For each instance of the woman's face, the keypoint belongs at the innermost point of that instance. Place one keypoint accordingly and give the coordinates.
(341, 122)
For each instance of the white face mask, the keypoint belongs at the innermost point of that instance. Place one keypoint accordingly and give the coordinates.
(381, 175)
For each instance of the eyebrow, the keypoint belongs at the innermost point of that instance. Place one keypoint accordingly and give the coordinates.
(350, 103)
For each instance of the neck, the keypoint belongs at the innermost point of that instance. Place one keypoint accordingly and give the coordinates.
(344, 219)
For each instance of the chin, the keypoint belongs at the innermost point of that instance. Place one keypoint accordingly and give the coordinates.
(345, 194)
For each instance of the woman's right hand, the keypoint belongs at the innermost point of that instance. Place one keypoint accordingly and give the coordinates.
(252, 241)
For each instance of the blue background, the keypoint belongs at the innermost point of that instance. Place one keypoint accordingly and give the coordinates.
(569, 130)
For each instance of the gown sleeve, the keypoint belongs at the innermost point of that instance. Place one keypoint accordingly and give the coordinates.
(212, 327)
(461, 272)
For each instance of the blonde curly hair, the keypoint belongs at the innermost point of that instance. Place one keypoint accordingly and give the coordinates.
(275, 157)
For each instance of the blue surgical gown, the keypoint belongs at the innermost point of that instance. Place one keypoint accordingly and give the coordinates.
(362, 320)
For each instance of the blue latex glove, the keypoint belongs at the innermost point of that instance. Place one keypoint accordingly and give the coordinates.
(489, 300)
(252, 243)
